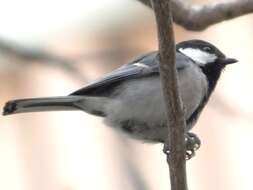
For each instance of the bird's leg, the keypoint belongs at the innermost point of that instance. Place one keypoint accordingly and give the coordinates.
(192, 143)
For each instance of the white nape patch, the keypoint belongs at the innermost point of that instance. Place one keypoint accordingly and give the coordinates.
(198, 55)
(141, 65)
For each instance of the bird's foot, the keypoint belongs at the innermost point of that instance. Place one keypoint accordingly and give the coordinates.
(192, 143)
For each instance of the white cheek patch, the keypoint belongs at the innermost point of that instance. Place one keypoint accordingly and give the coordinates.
(198, 55)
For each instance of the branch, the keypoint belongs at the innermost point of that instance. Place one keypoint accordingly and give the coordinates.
(199, 17)
(175, 145)
(28, 55)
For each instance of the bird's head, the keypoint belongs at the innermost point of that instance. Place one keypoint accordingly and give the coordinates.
(204, 53)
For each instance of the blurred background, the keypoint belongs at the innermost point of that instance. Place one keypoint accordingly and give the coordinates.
(51, 48)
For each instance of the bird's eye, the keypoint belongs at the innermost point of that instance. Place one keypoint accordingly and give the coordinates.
(208, 49)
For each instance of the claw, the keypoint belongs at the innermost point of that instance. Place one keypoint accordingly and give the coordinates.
(189, 154)
(166, 149)
(192, 143)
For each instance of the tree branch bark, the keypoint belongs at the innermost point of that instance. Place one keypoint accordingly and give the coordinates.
(175, 145)
(27, 55)
(199, 17)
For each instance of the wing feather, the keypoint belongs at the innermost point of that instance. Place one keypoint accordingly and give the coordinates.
(142, 66)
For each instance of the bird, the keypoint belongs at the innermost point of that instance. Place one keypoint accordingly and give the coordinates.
(130, 98)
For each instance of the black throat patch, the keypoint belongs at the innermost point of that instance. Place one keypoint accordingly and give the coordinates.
(212, 72)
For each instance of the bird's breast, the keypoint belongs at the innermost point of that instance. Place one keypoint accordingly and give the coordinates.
(139, 107)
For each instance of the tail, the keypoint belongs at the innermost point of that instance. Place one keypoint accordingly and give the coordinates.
(93, 105)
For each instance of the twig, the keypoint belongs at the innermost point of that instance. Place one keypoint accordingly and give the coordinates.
(199, 17)
(28, 55)
(176, 123)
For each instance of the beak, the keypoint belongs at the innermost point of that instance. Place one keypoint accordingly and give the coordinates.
(228, 60)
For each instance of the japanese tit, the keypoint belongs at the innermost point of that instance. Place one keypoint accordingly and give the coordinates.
(130, 97)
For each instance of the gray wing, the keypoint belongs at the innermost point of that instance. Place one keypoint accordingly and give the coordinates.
(142, 66)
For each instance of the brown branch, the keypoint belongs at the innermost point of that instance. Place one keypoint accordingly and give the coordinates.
(199, 17)
(175, 145)
(28, 55)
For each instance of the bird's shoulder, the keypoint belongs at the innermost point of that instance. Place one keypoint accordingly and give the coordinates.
(142, 66)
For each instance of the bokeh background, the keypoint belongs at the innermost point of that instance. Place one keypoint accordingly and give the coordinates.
(80, 41)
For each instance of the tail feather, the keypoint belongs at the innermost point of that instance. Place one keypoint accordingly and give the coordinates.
(42, 104)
